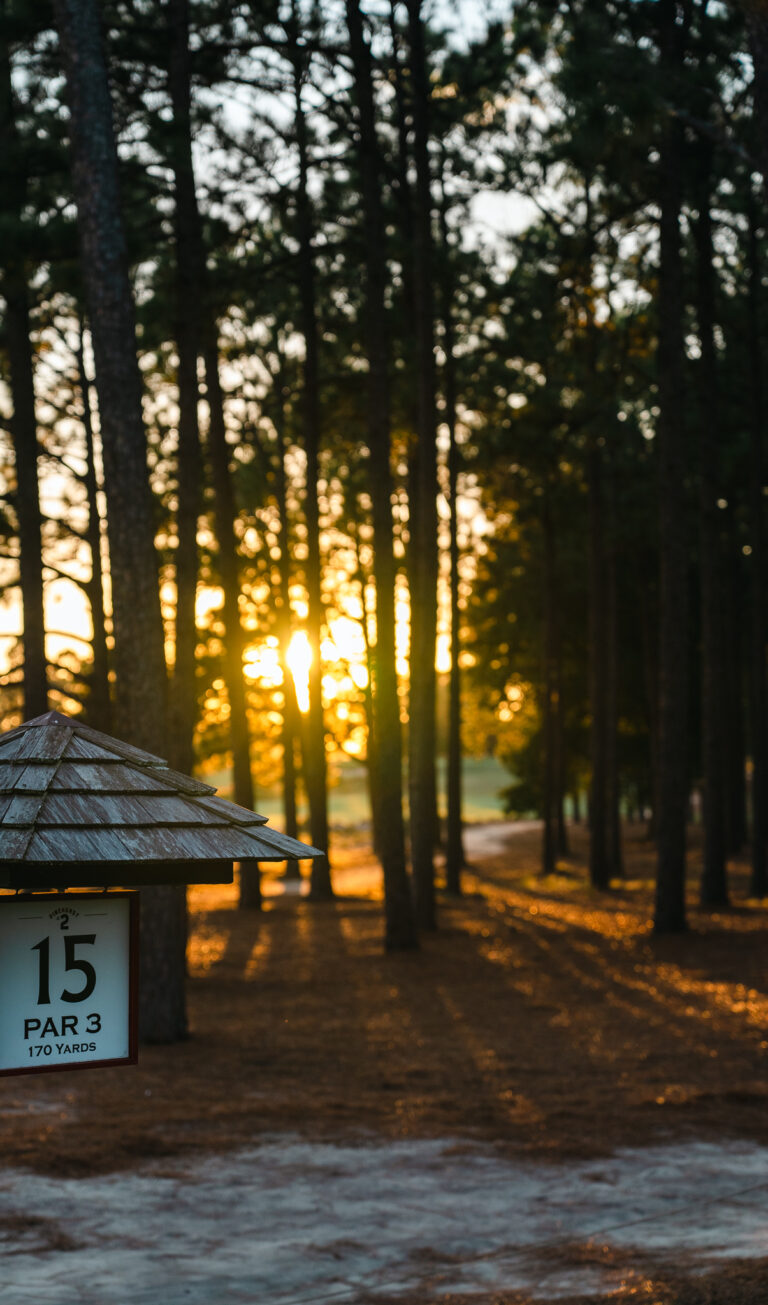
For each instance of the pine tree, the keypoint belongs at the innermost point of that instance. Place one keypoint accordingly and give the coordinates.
(400, 923)
(139, 655)
(18, 346)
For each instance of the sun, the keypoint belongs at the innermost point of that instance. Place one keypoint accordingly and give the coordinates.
(299, 659)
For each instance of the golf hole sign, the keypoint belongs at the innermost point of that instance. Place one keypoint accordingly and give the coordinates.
(81, 810)
(68, 966)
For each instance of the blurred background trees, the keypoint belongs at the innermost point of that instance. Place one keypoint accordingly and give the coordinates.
(444, 407)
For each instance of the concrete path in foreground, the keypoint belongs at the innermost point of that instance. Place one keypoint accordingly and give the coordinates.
(299, 1223)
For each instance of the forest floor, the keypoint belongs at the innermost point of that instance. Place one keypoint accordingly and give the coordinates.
(543, 1026)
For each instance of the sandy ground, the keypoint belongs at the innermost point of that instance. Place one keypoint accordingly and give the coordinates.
(544, 1101)
(293, 1221)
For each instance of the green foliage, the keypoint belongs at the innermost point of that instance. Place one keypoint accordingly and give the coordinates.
(556, 111)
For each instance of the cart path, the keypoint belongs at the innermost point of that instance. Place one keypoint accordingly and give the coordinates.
(294, 1222)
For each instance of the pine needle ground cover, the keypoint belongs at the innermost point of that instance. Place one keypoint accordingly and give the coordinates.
(541, 1018)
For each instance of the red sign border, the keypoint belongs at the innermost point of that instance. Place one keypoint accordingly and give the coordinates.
(133, 981)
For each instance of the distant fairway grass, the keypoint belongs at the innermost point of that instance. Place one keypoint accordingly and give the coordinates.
(349, 806)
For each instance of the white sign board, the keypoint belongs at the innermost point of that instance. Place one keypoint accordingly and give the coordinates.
(67, 981)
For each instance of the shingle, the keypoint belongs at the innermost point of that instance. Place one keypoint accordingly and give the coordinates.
(161, 843)
(47, 743)
(93, 777)
(23, 808)
(183, 843)
(92, 809)
(119, 746)
(231, 811)
(186, 783)
(21, 730)
(9, 775)
(122, 809)
(177, 809)
(10, 744)
(219, 842)
(34, 777)
(274, 846)
(14, 842)
(67, 844)
(86, 750)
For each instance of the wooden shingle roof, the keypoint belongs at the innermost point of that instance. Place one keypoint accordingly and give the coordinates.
(78, 808)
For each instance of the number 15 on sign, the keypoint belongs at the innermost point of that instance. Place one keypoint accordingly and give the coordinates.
(68, 981)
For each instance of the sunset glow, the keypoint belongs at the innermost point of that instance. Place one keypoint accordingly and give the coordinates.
(262, 662)
(299, 658)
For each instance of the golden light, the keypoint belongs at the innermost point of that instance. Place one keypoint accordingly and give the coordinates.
(209, 599)
(299, 659)
(331, 686)
(348, 639)
(443, 655)
(67, 617)
(511, 703)
(402, 631)
(359, 674)
(262, 662)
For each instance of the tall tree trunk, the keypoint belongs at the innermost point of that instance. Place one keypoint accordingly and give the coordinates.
(400, 163)
(400, 923)
(562, 847)
(648, 631)
(455, 858)
(599, 866)
(315, 768)
(734, 604)
(139, 653)
(189, 291)
(714, 886)
(549, 804)
(291, 720)
(672, 794)
(372, 766)
(757, 631)
(99, 705)
(613, 786)
(225, 512)
(406, 323)
(423, 514)
(193, 336)
(602, 781)
(13, 187)
(197, 334)
(26, 498)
